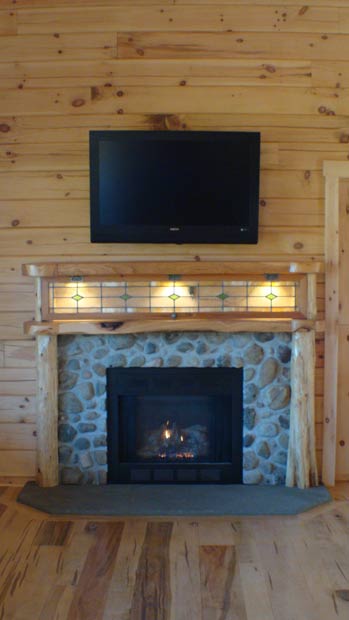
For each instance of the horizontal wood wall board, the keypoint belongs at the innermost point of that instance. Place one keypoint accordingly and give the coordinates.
(18, 404)
(182, 18)
(174, 100)
(16, 374)
(11, 416)
(196, 72)
(75, 156)
(75, 46)
(8, 22)
(17, 436)
(282, 45)
(17, 388)
(19, 354)
(39, 4)
(20, 462)
(11, 324)
(319, 128)
(274, 244)
(17, 214)
(14, 296)
(75, 184)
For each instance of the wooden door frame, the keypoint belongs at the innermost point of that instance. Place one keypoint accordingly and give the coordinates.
(337, 309)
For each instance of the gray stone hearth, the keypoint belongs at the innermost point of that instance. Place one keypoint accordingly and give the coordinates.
(83, 360)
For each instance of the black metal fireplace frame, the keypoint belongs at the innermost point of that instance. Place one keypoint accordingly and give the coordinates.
(189, 381)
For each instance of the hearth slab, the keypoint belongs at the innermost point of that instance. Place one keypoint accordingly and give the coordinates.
(172, 500)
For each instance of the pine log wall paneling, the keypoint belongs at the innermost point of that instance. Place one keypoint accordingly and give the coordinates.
(70, 66)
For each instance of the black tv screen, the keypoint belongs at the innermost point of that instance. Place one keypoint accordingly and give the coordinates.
(174, 187)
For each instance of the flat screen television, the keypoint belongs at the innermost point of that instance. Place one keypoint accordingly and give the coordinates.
(174, 187)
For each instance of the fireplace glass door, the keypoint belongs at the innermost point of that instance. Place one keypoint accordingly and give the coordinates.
(174, 425)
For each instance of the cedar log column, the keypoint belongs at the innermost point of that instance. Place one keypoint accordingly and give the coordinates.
(301, 462)
(47, 403)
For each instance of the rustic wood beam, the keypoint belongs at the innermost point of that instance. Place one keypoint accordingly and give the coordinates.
(301, 462)
(47, 410)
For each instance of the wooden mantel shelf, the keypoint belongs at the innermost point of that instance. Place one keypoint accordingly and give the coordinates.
(131, 325)
(149, 269)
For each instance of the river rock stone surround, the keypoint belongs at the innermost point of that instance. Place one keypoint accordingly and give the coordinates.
(83, 360)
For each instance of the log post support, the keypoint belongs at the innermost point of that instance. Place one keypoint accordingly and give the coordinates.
(47, 402)
(301, 462)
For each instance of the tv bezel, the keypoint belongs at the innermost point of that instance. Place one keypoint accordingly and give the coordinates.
(173, 234)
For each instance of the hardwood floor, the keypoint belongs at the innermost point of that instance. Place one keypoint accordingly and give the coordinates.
(275, 568)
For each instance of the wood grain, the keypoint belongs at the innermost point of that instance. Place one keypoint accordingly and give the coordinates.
(152, 595)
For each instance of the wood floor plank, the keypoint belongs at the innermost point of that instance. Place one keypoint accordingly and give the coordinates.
(221, 592)
(152, 594)
(91, 590)
(53, 533)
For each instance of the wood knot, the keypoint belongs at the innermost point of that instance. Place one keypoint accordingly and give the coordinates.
(298, 245)
(327, 420)
(263, 203)
(183, 82)
(307, 175)
(15, 223)
(342, 443)
(59, 176)
(95, 93)
(343, 594)
(4, 127)
(269, 68)
(303, 10)
(111, 326)
(120, 111)
(140, 52)
(77, 103)
(344, 138)
(120, 93)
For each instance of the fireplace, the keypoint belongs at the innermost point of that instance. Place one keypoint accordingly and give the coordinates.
(174, 425)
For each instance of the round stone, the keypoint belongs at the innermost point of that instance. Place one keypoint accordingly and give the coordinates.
(284, 353)
(124, 341)
(100, 388)
(73, 364)
(263, 450)
(208, 363)
(174, 360)
(87, 427)
(69, 403)
(279, 396)
(250, 460)
(249, 373)
(248, 440)
(150, 348)
(67, 380)
(82, 443)
(264, 336)
(100, 353)
(252, 477)
(184, 347)
(172, 337)
(237, 362)
(92, 415)
(137, 361)
(224, 361)
(71, 475)
(283, 441)
(66, 433)
(157, 362)
(118, 361)
(100, 457)
(102, 477)
(240, 341)
(254, 354)
(250, 393)
(100, 441)
(64, 454)
(268, 371)
(284, 421)
(85, 460)
(201, 348)
(87, 374)
(266, 467)
(99, 369)
(280, 457)
(86, 391)
(268, 429)
(249, 418)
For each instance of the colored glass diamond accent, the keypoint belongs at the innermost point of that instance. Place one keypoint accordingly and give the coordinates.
(125, 296)
(77, 297)
(174, 297)
(271, 296)
(222, 296)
